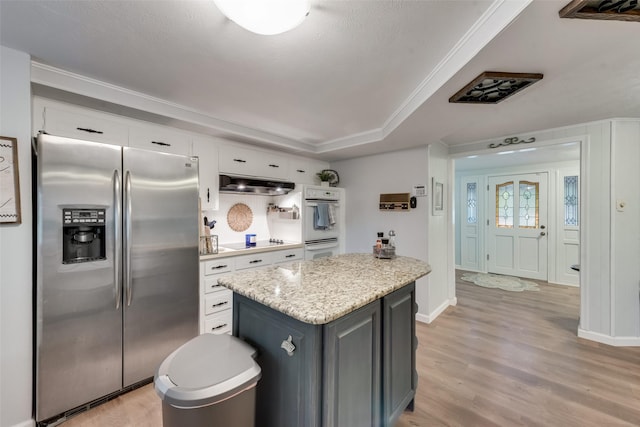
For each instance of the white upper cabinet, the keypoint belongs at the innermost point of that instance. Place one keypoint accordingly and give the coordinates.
(303, 171)
(72, 122)
(159, 138)
(206, 149)
(243, 161)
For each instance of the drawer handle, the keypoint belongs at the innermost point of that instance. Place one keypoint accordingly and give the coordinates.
(215, 286)
(90, 130)
(239, 160)
(217, 267)
(219, 304)
(274, 166)
(290, 255)
(164, 144)
(300, 170)
(215, 328)
(255, 261)
(288, 346)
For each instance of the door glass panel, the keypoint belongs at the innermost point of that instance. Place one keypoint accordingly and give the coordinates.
(504, 205)
(472, 203)
(529, 206)
(571, 201)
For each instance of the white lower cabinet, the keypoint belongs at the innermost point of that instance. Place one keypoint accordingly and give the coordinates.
(216, 301)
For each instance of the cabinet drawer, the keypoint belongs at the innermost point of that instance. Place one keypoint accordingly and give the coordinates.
(287, 256)
(253, 261)
(89, 127)
(211, 284)
(218, 266)
(159, 139)
(218, 301)
(219, 323)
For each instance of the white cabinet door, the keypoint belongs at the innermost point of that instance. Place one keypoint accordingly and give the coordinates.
(242, 161)
(207, 152)
(87, 125)
(159, 138)
(303, 171)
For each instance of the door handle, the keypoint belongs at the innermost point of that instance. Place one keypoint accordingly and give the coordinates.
(127, 236)
(542, 233)
(117, 252)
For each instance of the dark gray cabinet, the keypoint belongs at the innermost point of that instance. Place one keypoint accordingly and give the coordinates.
(399, 377)
(358, 370)
(351, 380)
(289, 392)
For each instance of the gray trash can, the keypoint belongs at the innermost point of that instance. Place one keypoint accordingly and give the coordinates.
(209, 381)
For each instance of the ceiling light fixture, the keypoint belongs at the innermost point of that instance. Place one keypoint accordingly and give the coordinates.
(266, 17)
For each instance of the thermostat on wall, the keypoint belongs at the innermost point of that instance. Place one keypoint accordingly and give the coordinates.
(419, 190)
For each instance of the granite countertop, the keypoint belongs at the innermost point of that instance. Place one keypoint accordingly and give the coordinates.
(241, 249)
(322, 290)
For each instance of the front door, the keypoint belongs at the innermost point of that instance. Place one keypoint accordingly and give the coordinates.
(517, 233)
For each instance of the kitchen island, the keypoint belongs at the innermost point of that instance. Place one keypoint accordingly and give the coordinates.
(335, 338)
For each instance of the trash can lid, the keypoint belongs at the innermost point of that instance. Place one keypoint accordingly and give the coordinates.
(206, 370)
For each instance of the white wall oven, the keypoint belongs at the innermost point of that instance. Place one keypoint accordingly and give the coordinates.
(321, 219)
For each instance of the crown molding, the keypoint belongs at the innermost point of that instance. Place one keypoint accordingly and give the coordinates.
(75, 83)
(497, 17)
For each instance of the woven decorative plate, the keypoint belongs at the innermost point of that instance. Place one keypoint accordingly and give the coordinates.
(239, 217)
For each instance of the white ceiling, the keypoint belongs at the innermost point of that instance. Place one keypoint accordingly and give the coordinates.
(356, 78)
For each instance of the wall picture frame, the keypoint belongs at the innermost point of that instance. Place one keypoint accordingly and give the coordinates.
(9, 181)
(437, 192)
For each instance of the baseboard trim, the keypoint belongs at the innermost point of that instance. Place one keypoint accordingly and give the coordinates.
(428, 318)
(28, 423)
(609, 340)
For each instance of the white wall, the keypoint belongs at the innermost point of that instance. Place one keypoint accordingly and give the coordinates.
(15, 249)
(364, 179)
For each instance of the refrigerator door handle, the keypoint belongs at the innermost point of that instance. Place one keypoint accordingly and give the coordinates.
(126, 241)
(117, 252)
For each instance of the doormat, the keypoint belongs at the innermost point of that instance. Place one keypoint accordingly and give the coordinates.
(506, 283)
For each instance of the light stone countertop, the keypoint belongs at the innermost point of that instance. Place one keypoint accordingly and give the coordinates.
(322, 290)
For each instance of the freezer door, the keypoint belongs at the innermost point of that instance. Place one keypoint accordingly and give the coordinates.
(78, 319)
(160, 258)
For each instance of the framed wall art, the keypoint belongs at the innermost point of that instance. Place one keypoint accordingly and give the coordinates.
(437, 192)
(9, 181)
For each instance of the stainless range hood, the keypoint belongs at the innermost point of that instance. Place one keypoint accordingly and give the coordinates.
(253, 185)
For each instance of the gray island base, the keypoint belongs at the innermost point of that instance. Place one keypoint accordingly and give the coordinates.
(335, 339)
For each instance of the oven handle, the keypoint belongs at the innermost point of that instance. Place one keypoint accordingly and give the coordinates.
(314, 204)
(320, 246)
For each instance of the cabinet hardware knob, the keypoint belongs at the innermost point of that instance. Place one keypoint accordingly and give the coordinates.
(290, 255)
(274, 166)
(218, 327)
(255, 261)
(219, 266)
(163, 144)
(288, 346)
(219, 304)
(208, 196)
(300, 170)
(239, 160)
(90, 130)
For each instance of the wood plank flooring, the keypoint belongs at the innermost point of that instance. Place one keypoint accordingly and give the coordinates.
(496, 359)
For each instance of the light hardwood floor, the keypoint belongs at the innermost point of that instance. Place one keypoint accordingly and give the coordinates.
(498, 358)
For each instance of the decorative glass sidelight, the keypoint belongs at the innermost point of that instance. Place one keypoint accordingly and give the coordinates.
(571, 201)
(472, 203)
(504, 205)
(529, 204)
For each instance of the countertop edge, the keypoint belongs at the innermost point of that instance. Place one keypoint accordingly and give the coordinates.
(325, 315)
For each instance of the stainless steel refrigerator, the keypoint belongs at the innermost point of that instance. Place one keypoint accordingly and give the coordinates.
(116, 267)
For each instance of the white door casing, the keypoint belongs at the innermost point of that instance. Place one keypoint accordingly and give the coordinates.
(517, 225)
